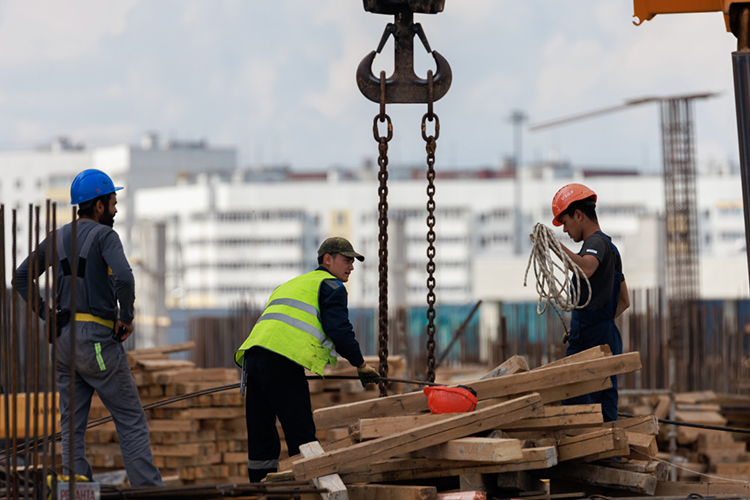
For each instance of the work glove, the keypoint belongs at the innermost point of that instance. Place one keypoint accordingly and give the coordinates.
(367, 374)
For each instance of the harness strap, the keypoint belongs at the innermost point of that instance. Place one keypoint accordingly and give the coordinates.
(82, 254)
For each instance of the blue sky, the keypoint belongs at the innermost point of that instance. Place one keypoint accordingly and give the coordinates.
(276, 79)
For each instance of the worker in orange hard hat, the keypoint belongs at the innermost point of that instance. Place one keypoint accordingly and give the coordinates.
(574, 208)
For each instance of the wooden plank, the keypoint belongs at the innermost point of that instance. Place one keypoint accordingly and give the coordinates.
(514, 364)
(330, 482)
(391, 492)
(406, 469)
(164, 349)
(596, 352)
(605, 440)
(644, 484)
(555, 417)
(183, 450)
(199, 413)
(684, 488)
(286, 463)
(461, 425)
(21, 430)
(474, 449)
(645, 444)
(659, 469)
(228, 375)
(163, 364)
(546, 379)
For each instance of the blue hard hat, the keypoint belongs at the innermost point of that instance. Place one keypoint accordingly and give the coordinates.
(90, 184)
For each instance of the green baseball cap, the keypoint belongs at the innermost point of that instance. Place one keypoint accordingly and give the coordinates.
(339, 245)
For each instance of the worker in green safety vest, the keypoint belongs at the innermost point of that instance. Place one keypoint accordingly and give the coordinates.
(304, 325)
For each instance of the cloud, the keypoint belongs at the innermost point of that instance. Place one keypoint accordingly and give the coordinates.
(33, 31)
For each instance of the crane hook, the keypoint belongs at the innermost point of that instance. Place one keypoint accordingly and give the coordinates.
(404, 86)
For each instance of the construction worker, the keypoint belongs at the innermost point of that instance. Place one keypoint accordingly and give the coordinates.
(104, 280)
(574, 208)
(304, 325)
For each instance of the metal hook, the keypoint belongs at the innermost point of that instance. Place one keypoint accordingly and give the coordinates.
(404, 86)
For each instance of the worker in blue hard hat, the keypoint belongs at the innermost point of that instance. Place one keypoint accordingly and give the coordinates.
(104, 282)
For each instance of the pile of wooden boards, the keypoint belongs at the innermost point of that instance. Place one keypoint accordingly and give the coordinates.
(702, 451)
(203, 440)
(517, 438)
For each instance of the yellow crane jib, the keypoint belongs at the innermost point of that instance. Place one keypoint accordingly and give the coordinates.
(645, 10)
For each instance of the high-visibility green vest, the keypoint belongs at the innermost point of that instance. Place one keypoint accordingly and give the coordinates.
(290, 324)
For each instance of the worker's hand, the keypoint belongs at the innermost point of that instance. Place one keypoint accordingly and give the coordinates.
(367, 374)
(128, 329)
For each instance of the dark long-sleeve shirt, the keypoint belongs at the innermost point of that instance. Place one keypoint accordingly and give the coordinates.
(108, 277)
(334, 314)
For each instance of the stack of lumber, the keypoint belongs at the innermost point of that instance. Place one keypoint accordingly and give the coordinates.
(203, 440)
(702, 451)
(518, 435)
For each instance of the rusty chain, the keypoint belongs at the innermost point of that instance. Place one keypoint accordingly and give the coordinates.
(382, 140)
(430, 147)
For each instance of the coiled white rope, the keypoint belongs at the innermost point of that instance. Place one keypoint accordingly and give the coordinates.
(562, 294)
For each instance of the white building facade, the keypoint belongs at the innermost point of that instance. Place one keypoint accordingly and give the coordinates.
(231, 238)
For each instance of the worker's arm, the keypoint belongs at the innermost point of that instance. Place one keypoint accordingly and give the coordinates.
(114, 256)
(588, 263)
(334, 316)
(22, 283)
(623, 302)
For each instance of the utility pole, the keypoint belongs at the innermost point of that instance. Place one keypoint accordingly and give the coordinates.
(517, 118)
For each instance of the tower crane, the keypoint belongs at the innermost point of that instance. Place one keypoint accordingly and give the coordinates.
(737, 20)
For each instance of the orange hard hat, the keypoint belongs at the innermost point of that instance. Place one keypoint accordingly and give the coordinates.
(567, 195)
(442, 399)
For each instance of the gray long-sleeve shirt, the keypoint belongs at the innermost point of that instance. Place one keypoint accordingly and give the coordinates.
(108, 277)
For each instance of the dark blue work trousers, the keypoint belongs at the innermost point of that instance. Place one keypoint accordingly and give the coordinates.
(276, 387)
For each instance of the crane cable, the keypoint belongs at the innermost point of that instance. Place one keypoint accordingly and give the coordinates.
(562, 295)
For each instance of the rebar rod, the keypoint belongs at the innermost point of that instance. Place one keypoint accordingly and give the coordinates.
(53, 336)
(6, 348)
(27, 353)
(72, 360)
(34, 320)
(15, 346)
(43, 348)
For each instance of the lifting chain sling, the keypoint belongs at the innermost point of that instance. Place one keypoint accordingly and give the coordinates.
(430, 146)
(404, 86)
(382, 140)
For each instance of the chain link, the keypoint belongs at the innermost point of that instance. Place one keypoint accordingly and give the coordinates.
(382, 140)
(430, 147)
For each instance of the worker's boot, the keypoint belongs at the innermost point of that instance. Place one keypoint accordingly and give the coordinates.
(256, 475)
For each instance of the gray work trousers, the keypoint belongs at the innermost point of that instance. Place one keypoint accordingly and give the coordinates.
(101, 365)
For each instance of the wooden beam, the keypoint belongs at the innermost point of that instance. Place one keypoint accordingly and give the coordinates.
(474, 449)
(512, 365)
(547, 379)
(461, 425)
(644, 484)
(598, 352)
(659, 469)
(404, 469)
(286, 463)
(391, 492)
(605, 440)
(555, 417)
(330, 482)
(644, 444)
(714, 488)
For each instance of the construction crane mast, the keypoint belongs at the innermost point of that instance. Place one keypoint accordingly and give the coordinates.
(737, 20)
